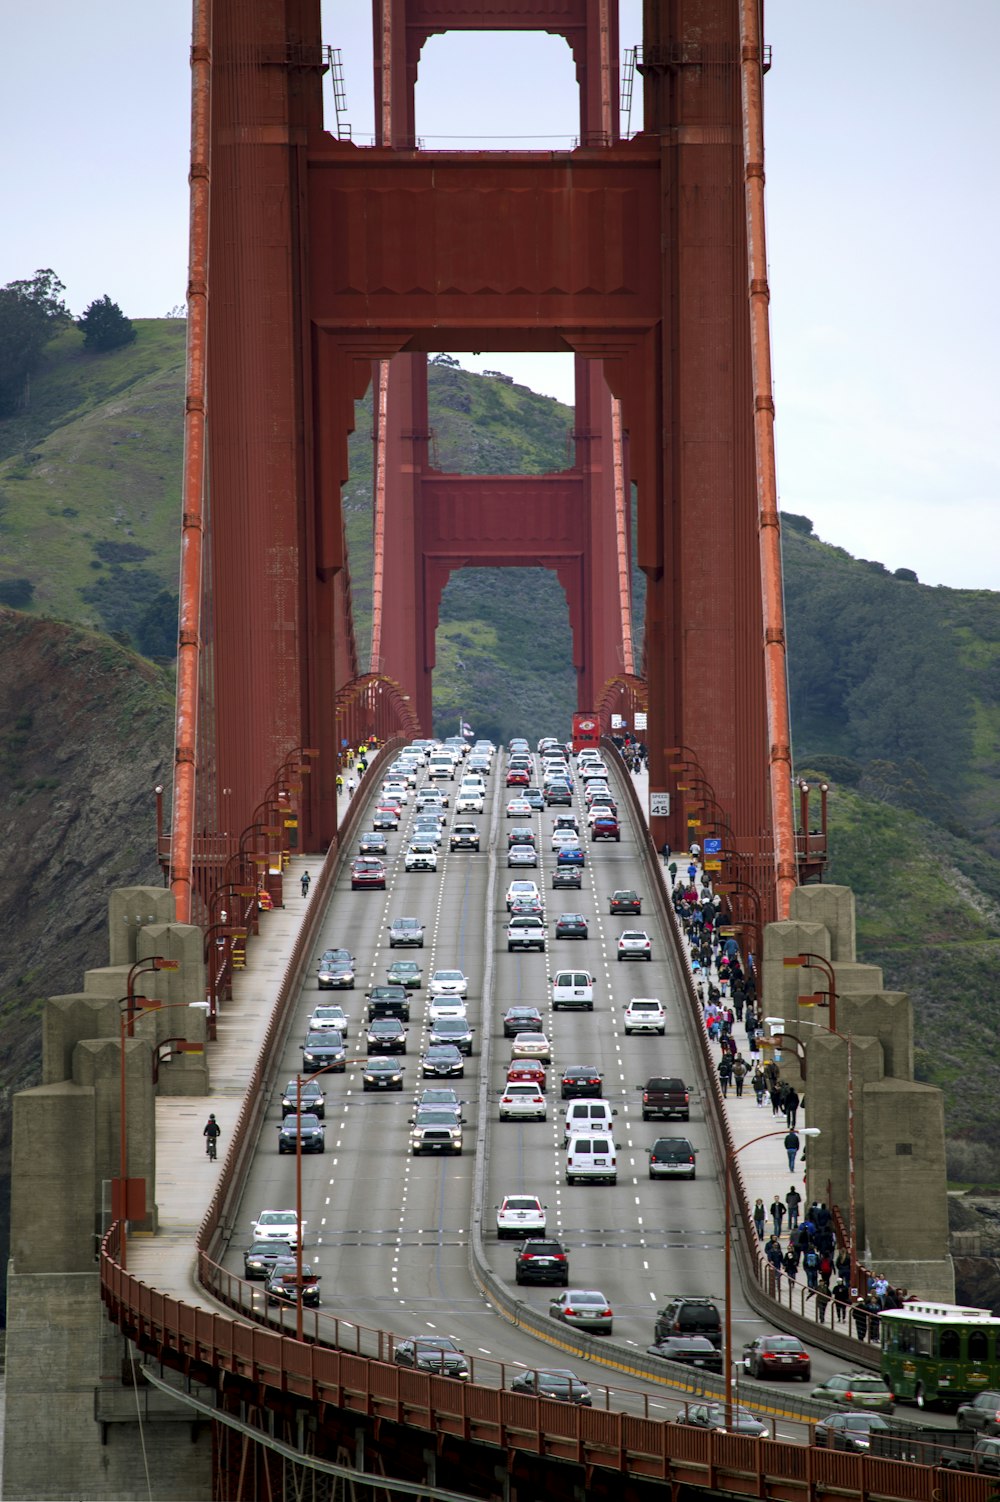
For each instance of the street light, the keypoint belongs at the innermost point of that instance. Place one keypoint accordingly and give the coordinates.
(731, 1155)
(142, 967)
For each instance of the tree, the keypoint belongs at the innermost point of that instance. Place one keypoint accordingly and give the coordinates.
(31, 312)
(105, 326)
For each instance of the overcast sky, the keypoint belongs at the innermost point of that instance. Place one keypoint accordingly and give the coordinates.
(883, 169)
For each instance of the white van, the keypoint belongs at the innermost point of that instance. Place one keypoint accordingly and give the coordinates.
(588, 1116)
(573, 988)
(592, 1156)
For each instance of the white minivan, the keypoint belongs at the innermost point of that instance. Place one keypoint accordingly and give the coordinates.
(573, 988)
(471, 797)
(592, 1156)
(589, 1116)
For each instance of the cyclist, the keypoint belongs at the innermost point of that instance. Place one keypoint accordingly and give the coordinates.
(306, 879)
(211, 1132)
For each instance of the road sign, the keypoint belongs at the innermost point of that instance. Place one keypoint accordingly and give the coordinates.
(640, 719)
(694, 823)
(713, 847)
(712, 865)
(659, 805)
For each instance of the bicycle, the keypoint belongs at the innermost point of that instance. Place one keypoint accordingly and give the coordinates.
(211, 1146)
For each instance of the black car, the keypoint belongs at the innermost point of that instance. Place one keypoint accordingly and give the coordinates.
(386, 1035)
(312, 1132)
(433, 1353)
(335, 971)
(443, 1061)
(453, 1030)
(373, 842)
(582, 1082)
(324, 1050)
(542, 1261)
(554, 1382)
(689, 1316)
(564, 877)
(521, 835)
(689, 1350)
(382, 1074)
(260, 1257)
(849, 1431)
(777, 1356)
(388, 1001)
(309, 1093)
(282, 1286)
(713, 1416)
(522, 1020)
(624, 901)
(571, 926)
(671, 1158)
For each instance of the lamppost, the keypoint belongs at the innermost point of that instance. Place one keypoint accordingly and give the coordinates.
(142, 967)
(731, 1156)
(120, 1200)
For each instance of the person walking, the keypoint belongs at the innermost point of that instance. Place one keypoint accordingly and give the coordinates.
(791, 1106)
(740, 1070)
(791, 1147)
(810, 1262)
(790, 1262)
(793, 1200)
(672, 873)
(725, 1072)
(759, 1217)
(777, 1213)
(665, 852)
(759, 1084)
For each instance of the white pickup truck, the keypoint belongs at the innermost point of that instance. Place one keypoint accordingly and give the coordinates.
(526, 931)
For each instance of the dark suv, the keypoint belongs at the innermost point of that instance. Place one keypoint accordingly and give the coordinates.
(542, 1262)
(389, 1001)
(662, 1096)
(689, 1316)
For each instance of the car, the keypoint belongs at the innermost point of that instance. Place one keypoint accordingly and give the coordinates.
(542, 1260)
(453, 1030)
(605, 809)
(526, 930)
(527, 1071)
(260, 1256)
(982, 1415)
(433, 1353)
(429, 827)
(556, 793)
(335, 970)
(421, 855)
(562, 838)
(566, 822)
(406, 931)
(448, 983)
(531, 1045)
(689, 1350)
(373, 842)
(557, 1383)
(533, 798)
(606, 827)
(520, 1215)
(380, 1073)
(432, 797)
(671, 1158)
(571, 926)
(689, 1315)
(405, 973)
(436, 1129)
(571, 855)
(388, 1001)
(324, 1051)
(393, 789)
(565, 877)
(306, 1095)
(856, 1390)
(522, 855)
(581, 1082)
(308, 1128)
(776, 1356)
(464, 836)
(526, 907)
(283, 1284)
(584, 1309)
(518, 808)
(713, 1416)
(442, 1061)
(446, 1006)
(440, 1095)
(386, 1035)
(634, 944)
(367, 871)
(666, 1096)
(385, 817)
(593, 771)
(518, 777)
(522, 1020)
(522, 1102)
(644, 1014)
(850, 1431)
(328, 1020)
(521, 890)
(278, 1225)
(470, 801)
(625, 901)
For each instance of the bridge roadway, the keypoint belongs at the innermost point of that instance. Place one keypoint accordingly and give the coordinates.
(389, 1233)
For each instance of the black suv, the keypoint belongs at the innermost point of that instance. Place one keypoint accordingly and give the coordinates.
(689, 1316)
(311, 1094)
(567, 877)
(389, 1001)
(542, 1262)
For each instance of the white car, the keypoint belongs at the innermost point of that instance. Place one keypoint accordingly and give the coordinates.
(645, 1015)
(448, 983)
(470, 801)
(278, 1225)
(634, 944)
(600, 811)
(432, 797)
(392, 788)
(421, 856)
(519, 808)
(531, 1046)
(327, 1019)
(562, 839)
(445, 1006)
(523, 1102)
(520, 1215)
(522, 891)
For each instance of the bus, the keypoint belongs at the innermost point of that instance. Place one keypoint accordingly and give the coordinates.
(939, 1353)
(586, 731)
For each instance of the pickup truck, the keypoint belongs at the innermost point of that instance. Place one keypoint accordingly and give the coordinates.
(389, 1001)
(666, 1097)
(464, 837)
(525, 931)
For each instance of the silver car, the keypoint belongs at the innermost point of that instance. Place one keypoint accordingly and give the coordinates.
(586, 1308)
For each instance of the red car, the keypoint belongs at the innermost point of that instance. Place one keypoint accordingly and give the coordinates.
(605, 829)
(527, 1071)
(518, 779)
(367, 871)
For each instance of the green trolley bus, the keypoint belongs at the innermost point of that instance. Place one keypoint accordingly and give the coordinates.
(939, 1353)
